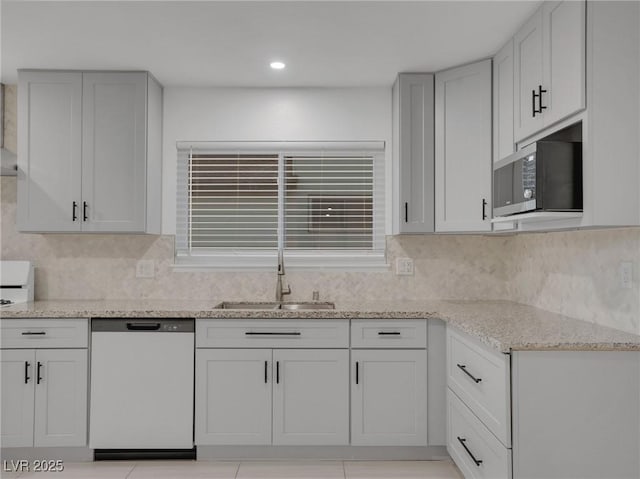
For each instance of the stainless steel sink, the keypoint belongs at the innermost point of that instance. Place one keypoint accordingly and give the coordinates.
(296, 306)
(248, 305)
(270, 305)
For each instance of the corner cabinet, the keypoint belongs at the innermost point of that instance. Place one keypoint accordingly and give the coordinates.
(413, 153)
(550, 71)
(90, 152)
(44, 383)
(463, 149)
(533, 414)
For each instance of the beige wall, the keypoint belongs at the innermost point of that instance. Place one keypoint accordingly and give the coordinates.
(574, 273)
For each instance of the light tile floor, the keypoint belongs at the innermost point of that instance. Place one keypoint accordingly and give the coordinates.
(250, 470)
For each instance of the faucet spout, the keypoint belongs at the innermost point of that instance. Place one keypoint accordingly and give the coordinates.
(280, 291)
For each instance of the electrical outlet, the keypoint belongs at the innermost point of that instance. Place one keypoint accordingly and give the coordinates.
(404, 267)
(626, 274)
(145, 268)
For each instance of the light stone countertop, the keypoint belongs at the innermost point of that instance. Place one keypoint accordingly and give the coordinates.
(502, 325)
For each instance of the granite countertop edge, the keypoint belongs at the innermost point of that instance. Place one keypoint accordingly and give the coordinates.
(502, 325)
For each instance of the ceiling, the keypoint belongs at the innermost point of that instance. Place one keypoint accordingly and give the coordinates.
(323, 43)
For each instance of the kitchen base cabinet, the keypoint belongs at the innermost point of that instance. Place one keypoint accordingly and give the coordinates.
(290, 394)
(17, 397)
(576, 414)
(310, 397)
(388, 397)
(46, 397)
(568, 414)
(233, 396)
(474, 449)
(44, 383)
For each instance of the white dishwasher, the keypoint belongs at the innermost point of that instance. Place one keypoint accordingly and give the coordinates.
(142, 388)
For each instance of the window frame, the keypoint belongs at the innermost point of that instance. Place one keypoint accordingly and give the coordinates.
(213, 259)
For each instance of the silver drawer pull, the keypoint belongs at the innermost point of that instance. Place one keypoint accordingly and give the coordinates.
(273, 333)
(462, 441)
(34, 333)
(464, 370)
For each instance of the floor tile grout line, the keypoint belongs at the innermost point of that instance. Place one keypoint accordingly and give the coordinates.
(237, 470)
(344, 470)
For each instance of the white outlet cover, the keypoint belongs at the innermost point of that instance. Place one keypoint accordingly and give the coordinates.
(404, 267)
(626, 274)
(145, 268)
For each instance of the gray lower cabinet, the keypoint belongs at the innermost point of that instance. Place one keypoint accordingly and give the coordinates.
(90, 152)
(279, 397)
(388, 397)
(535, 414)
(44, 382)
(389, 382)
(292, 393)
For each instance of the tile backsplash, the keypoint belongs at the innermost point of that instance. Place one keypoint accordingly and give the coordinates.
(573, 273)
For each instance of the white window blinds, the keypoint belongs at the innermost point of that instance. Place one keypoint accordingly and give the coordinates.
(316, 201)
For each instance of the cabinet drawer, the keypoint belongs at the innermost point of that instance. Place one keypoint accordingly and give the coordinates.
(268, 333)
(474, 449)
(389, 334)
(45, 333)
(480, 378)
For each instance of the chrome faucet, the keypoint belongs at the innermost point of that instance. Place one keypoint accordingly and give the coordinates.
(280, 291)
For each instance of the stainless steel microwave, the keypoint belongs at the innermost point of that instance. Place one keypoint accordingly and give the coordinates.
(544, 176)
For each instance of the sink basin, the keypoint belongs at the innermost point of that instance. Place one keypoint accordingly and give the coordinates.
(274, 305)
(296, 306)
(248, 305)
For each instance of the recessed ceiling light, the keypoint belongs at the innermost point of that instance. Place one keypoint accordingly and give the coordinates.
(277, 65)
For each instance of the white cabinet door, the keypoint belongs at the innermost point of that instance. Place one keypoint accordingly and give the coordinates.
(563, 27)
(389, 398)
(49, 141)
(413, 153)
(503, 142)
(61, 397)
(463, 148)
(114, 151)
(233, 396)
(311, 397)
(528, 76)
(18, 379)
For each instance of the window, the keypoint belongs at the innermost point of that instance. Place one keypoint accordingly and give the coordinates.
(322, 203)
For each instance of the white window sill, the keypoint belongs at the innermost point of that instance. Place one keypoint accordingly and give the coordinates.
(294, 261)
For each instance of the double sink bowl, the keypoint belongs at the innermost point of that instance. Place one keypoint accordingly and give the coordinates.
(274, 305)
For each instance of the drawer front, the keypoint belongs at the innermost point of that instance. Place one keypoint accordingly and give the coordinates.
(480, 377)
(45, 333)
(471, 445)
(389, 334)
(272, 333)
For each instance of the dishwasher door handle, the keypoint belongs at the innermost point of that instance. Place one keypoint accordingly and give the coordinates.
(143, 326)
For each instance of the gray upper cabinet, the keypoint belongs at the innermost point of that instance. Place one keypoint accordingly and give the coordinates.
(503, 141)
(90, 152)
(549, 58)
(463, 148)
(50, 151)
(413, 153)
